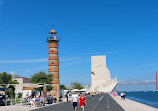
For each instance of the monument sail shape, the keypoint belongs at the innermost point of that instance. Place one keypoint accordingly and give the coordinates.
(100, 75)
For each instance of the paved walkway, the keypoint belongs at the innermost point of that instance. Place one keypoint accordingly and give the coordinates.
(129, 105)
(98, 103)
(21, 107)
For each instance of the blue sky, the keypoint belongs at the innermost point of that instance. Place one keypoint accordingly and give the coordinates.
(126, 31)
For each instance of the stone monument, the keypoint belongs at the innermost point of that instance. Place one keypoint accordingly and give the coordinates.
(100, 75)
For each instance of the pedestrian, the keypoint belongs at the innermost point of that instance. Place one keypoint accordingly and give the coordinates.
(50, 99)
(89, 94)
(67, 96)
(82, 101)
(43, 99)
(27, 94)
(92, 95)
(33, 104)
(121, 95)
(55, 99)
(74, 100)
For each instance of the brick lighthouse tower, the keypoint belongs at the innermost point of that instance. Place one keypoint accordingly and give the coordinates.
(54, 61)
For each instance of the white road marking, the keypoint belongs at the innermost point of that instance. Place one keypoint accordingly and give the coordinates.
(97, 103)
(101, 98)
(108, 107)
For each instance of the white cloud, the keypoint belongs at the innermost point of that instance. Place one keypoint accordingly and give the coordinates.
(39, 60)
(46, 67)
(65, 59)
(122, 82)
(27, 70)
(95, 53)
(149, 81)
(24, 61)
(12, 72)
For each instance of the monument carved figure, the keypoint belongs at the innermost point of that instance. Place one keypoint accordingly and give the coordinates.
(100, 75)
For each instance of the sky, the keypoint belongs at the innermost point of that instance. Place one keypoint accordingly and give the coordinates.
(126, 31)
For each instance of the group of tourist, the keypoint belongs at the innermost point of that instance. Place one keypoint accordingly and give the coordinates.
(33, 100)
(2, 97)
(94, 93)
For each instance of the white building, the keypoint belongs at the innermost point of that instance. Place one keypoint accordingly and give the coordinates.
(25, 86)
(100, 75)
(21, 80)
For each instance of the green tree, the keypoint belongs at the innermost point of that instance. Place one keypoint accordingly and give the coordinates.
(11, 91)
(76, 85)
(7, 79)
(4, 78)
(49, 88)
(63, 87)
(13, 82)
(42, 77)
(19, 95)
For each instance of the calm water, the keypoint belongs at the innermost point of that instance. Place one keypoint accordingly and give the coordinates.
(149, 98)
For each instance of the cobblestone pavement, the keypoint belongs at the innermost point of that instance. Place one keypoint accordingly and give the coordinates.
(98, 103)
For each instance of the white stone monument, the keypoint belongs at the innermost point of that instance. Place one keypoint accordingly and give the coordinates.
(101, 78)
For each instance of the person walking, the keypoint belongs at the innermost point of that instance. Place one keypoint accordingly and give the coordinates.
(123, 95)
(55, 99)
(67, 96)
(92, 95)
(82, 101)
(89, 95)
(74, 100)
(43, 100)
(114, 94)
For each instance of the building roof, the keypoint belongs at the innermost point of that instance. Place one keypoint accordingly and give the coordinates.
(52, 32)
(28, 88)
(22, 77)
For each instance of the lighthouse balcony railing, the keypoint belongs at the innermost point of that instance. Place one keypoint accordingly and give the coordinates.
(53, 38)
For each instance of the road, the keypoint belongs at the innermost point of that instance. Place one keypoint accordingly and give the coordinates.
(98, 103)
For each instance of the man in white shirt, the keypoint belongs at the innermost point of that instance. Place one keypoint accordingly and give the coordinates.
(74, 100)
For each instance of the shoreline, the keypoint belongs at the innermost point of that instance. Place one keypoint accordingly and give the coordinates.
(140, 101)
(131, 105)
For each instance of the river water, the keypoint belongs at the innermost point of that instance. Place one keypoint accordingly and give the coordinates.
(149, 98)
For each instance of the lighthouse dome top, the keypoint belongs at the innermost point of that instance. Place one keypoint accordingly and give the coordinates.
(52, 32)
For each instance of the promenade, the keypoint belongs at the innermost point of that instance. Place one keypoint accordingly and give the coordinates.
(129, 105)
(21, 107)
(98, 103)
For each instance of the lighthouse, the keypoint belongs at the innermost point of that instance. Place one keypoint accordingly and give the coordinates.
(54, 62)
